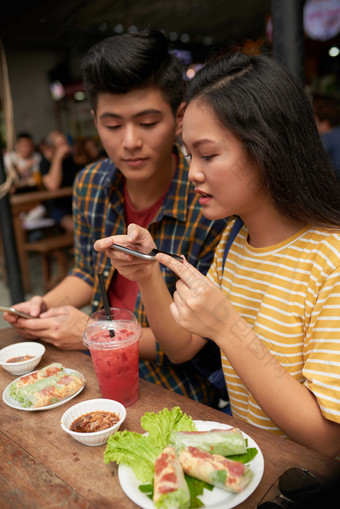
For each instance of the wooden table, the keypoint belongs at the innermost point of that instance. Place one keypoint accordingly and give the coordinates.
(43, 467)
(23, 202)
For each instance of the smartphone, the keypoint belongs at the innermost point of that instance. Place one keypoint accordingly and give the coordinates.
(144, 256)
(16, 312)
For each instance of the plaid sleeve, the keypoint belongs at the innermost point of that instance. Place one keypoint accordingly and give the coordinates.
(83, 244)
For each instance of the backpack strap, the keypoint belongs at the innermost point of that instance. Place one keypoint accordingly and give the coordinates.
(201, 363)
(234, 231)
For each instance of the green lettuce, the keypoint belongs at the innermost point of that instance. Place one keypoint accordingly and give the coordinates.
(134, 450)
(160, 426)
(139, 452)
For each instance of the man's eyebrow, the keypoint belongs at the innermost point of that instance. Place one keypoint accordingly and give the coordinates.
(136, 115)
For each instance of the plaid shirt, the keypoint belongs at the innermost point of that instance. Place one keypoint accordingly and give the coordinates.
(178, 227)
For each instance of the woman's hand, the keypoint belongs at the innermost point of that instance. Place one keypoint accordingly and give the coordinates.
(129, 266)
(199, 306)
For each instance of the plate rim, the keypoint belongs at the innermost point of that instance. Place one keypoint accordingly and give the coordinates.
(237, 499)
(14, 404)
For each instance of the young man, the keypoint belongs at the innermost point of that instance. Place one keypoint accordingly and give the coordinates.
(135, 89)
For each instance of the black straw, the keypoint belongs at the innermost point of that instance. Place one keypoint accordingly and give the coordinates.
(105, 301)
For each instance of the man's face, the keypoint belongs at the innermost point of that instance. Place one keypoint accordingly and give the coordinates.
(137, 130)
(24, 147)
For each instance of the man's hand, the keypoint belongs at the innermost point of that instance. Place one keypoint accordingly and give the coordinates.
(33, 307)
(62, 327)
(129, 266)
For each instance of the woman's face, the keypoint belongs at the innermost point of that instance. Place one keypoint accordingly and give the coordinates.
(225, 177)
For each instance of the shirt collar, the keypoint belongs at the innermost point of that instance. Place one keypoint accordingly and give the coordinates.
(175, 201)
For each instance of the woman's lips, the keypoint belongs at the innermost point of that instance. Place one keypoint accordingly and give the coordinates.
(204, 198)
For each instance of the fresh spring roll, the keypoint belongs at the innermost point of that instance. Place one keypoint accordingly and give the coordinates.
(50, 390)
(170, 487)
(23, 381)
(217, 441)
(215, 469)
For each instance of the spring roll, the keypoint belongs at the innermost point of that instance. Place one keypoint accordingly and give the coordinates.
(50, 390)
(170, 487)
(23, 381)
(215, 469)
(217, 441)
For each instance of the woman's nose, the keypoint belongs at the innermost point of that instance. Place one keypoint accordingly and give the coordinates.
(195, 174)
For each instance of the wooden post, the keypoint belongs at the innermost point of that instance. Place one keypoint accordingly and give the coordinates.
(9, 244)
(288, 35)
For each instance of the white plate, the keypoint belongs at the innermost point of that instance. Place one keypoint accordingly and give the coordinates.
(15, 404)
(215, 499)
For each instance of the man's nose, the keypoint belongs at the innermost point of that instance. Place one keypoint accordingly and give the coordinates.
(132, 138)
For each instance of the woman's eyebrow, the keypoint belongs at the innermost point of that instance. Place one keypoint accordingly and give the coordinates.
(197, 143)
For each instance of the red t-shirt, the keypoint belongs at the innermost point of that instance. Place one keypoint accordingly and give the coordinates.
(122, 292)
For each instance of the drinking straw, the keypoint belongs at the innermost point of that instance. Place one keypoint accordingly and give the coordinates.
(105, 301)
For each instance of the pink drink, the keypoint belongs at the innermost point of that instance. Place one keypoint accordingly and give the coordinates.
(115, 359)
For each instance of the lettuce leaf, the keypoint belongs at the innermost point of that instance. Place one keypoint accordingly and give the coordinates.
(246, 457)
(161, 425)
(139, 452)
(134, 450)
(196, 488)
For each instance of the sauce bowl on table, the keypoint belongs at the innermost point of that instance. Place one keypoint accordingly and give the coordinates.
(21, 358)
(89, 415)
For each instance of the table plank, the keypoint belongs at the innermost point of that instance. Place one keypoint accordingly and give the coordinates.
(25, 478)
(32, 197)
(39, 435)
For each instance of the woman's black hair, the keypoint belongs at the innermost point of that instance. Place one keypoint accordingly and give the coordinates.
(122, 63)
(265, 106)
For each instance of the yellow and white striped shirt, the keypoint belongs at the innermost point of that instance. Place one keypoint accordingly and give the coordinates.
(289, 294)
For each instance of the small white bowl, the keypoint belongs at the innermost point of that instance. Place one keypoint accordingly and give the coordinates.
(93, 405)
(19, 350)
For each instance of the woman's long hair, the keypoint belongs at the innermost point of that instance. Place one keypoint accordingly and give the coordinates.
(262, 104)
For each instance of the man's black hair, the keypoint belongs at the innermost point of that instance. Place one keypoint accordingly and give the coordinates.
(122, 63)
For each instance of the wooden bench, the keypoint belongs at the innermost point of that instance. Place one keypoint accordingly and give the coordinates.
(49, 248)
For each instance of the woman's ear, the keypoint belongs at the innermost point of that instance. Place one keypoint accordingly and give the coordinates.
(179, 118)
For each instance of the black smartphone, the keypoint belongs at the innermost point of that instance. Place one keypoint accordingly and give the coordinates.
(144, 256)
(16, 312)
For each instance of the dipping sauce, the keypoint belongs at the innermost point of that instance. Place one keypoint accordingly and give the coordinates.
(22, 358)
(94, 421)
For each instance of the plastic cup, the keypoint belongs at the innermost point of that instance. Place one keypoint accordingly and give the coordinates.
(115, 357)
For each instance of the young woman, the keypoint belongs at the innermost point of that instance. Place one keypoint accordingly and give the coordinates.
(273, 306)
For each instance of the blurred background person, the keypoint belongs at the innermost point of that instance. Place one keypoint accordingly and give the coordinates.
(87, 150)
(25, 160)
(327, 117)
(58, 169)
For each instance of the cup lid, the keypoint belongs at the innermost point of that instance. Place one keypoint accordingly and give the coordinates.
(123, 323)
